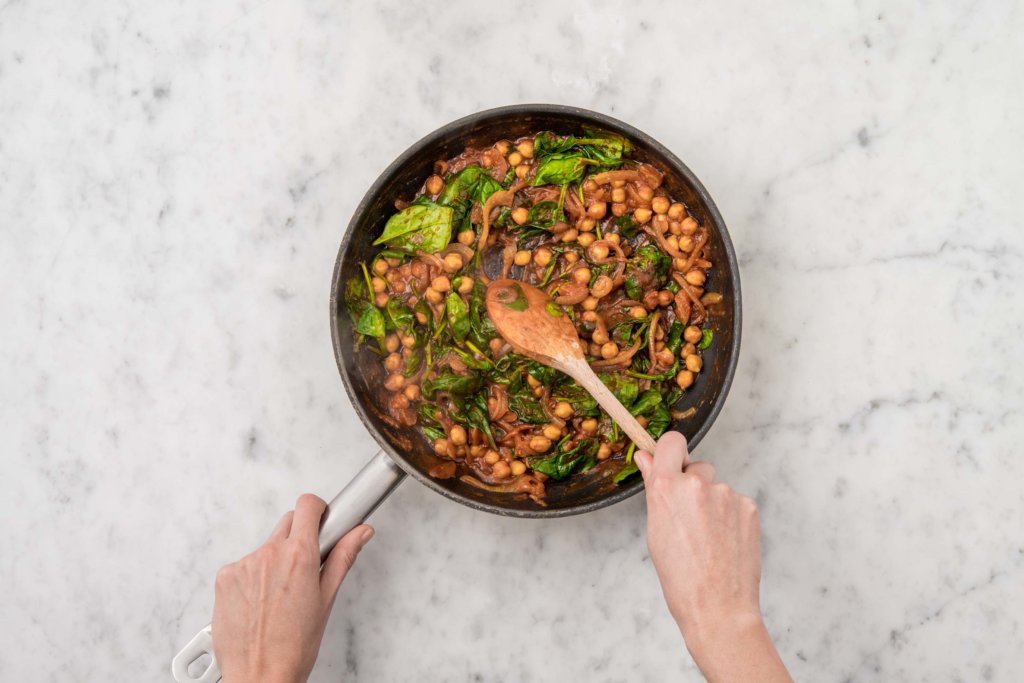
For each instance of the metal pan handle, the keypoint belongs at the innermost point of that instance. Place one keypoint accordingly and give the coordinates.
(351, 507)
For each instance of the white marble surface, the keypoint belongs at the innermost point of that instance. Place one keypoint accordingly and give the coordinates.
(174, 180)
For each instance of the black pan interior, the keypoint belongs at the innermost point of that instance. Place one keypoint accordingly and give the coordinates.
(361, 369)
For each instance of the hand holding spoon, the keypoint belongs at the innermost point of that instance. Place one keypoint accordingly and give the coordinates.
(536, 327)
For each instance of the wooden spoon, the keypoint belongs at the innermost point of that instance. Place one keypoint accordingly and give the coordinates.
(535, 326)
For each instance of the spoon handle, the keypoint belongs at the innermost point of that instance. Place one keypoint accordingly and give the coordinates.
(581, 371)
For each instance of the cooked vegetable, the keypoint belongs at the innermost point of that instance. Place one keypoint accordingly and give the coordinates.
(577, 217)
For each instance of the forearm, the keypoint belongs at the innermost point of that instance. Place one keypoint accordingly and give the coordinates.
(739, 651)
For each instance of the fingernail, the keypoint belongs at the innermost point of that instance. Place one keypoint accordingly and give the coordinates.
(366, 535)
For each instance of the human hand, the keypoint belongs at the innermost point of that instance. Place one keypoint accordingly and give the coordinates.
(271, 607)
(705, 543)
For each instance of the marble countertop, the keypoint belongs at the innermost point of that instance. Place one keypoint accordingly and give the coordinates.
(174, 182)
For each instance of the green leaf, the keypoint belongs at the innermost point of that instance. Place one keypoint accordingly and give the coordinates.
(484, 188)
(627, 226)
(422, 227)
(458, 316)
(459, 186)
(633, 288)
(544, 215)
(397, 316)
(627, 470)
(481, 329)
(371, 321)
(648, 401)
(675, 337)
(582, 402)
(564, 462)
(560, 169)
(458, 385)
(659, 421)
(625, 389)
(706, 335)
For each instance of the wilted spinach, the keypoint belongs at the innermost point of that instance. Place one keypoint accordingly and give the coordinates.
(564, 462)
(419, 227)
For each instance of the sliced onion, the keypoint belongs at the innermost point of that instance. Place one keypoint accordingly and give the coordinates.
(663, 243)
(700, 314)
(622, 358)
(568, 293)
(499, 198)
(711, 298)
(613, 176)
(458, 248)
(651, 339)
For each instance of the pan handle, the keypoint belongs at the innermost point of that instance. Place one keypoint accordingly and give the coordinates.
(351, 507)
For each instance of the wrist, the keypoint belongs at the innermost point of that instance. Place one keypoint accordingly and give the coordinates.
(720, 634)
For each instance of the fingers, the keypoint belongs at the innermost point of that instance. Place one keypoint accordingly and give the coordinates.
(308, 511)
(670, 454)
(704, 470)
(644, 461)
(341, 560)
(283, 527)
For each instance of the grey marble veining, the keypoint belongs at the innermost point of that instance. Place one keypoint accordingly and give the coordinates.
(174, 181)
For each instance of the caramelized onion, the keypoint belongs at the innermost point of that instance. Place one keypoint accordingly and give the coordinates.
(651, 339)
(499, 198)
(700, 314)
(568, 293)
(613, 176)
(663, 243)
(621, 359)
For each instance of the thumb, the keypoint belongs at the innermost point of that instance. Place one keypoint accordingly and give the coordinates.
(644, 461)
(341, 559)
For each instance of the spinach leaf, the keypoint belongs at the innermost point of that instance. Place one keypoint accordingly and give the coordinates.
(458, 316)
(565, 461)
(481, 329)
(627, 470)
(397, 316)
(625, 389)
(706, 335)
(457, 385)
(627, 226)
(484, 188)
(675, 337)
(659, 421)
(424, 227)
(478, 416)
(633, 288)
(544, 215)
(547, 376)
(651, 260)
(648, 401)
(370, 321)
(413, 360)
(522, 401)
(560, 169)
(582, 402)
(459, 187)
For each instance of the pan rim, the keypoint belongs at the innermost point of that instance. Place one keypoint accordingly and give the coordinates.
(598, 119)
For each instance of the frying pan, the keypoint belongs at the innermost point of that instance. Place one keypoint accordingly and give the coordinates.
(406, 452)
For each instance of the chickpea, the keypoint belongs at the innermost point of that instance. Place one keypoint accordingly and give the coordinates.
(515, 158)
(522, 170)
(393, 361)
(595, 350)
(618, 183)
(675, 228)
(570, 235)
(688, 225)
(692, 334)
(660, 224)
(651, 300)
(491, 457)
(520, 215)
(452, 262)
(642, 215)
(518, 467)
(618, 210)
(589, 425)
(525, 148)
(540, 444)
(696, 277)
(678, 263)
(613, 238)
(421, 317)
(589, 304)
(465, 285)
(380, 266)
(665, 297)
(441, 283)
(503, 146)
(522, 257)
(689, 348)
(532, 381)
(600, 336)
(435, 184)
(638, 312)
(693, 362)
(660, 204)
(393, 262)
(673, 242)
(587, 225)
(589, 185)
(589, 317)
(408, 340)
(412, 392)
(391, 343)
(475, 451)
(586, 239)
(665, 357)
(394, 382)
(381, 299)
(604, 452)
(685, 243)
(495, 344)
(551, 432)
(645, 192)
(581, 275)
(563, 410)
(618, 195)
(467, 237)
(441, 446)
(432, 295)
(542, 256)
(378, 284)
(609, 350)
(500, 469)
(684, 379)
(457, 435)
(486, 161)
(597, 210)
(571, 257)
(676, 212)
(599, 251)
